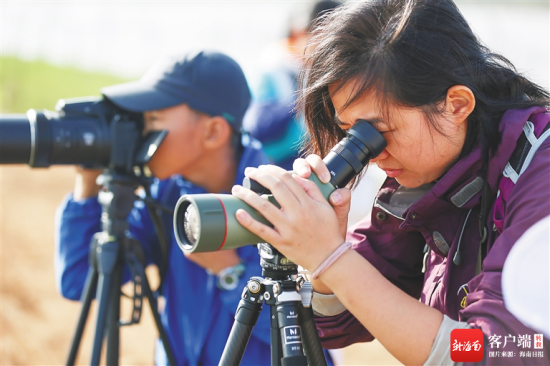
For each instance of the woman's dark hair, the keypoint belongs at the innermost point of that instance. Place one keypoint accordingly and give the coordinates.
(410, 52)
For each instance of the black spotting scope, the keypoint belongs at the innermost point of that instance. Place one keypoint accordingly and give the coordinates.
(89, 131)
(207, 223)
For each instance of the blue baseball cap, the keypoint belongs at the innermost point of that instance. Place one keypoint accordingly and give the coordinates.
(207, 81)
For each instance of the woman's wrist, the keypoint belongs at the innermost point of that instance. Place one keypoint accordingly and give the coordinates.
(320, 287)
(331, 278)
(333, 257)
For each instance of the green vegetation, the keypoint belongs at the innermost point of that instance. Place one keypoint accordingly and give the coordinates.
(39, 85)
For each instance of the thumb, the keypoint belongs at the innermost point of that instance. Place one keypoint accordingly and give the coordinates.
(340, 200)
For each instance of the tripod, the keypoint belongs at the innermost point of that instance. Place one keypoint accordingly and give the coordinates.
(110, 250)
(294, 338)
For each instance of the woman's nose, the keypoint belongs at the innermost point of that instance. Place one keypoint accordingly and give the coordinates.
(383, 155)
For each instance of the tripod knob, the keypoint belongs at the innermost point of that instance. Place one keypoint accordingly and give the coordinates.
(276, 289)
(254, 286)
(307, 294)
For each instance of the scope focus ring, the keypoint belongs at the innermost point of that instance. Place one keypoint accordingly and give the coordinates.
(349, 157)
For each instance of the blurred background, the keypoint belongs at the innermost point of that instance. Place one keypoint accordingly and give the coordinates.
(61, 49)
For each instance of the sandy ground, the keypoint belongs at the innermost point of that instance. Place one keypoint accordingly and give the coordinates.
(37, 324)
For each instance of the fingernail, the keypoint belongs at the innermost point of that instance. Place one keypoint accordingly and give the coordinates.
(248, 170)
(241, 214)
(304, 170)
(236, 189)
(336, 198)
(325, 177)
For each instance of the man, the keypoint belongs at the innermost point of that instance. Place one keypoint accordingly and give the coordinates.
(200, 99)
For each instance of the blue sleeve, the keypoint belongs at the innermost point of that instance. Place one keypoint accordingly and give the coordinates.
(75, 223)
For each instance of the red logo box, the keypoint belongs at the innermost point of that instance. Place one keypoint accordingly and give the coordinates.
(466, 345)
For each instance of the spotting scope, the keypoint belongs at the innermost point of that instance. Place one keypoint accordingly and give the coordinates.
(207, 222)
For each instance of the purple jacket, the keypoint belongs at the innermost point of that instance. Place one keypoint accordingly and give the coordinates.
(434, 224)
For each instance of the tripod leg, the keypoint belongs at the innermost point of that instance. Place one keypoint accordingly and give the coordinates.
(103, 297)
(136, 263)
(87, 296)
(113, 317)
(154, 309)
(107, 258)
(276, 350)
(312, 343)
(246, 316)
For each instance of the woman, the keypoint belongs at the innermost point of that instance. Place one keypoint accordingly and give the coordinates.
(452, 114)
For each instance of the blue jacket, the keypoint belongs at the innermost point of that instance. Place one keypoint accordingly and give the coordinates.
(197, 316)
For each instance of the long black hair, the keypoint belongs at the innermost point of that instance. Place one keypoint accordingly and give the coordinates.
(410, 52)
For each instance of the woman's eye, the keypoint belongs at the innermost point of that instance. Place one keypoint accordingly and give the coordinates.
(343, 125)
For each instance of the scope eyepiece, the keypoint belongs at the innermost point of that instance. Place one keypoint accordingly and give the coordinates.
(345, 160)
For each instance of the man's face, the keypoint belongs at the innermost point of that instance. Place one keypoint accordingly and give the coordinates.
(181, 150)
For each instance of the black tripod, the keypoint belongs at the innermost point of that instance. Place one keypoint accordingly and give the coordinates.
(294, 338)
(110, 250)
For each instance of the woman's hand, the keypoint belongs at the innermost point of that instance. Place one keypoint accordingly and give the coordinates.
(306, 228)
(340, 198)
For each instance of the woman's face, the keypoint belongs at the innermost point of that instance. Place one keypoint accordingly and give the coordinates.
(416, 153)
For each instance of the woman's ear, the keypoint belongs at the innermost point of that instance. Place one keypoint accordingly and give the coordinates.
(460, 103)
(217, 132)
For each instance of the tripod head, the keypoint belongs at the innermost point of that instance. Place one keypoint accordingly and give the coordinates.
(274, 264)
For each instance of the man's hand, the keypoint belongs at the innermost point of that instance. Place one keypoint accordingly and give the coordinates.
(85, 185)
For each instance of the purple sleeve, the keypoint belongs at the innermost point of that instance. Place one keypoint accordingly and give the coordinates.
(529, 201)
(397, 254)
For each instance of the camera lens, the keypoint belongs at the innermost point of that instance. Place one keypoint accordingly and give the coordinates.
(191, 224)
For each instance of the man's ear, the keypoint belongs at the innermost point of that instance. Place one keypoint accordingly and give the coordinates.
(217, 132)
(460, 103)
